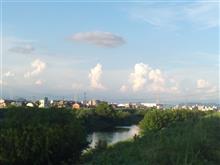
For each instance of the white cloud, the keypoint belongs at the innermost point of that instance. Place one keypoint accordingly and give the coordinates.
(139, 77)
(201, 83)
(144, 78)
(95, 76)
(157, 79)
(156, 76)
(38, 66)
(205, 86)
(173, 86)
(123, 88)
(9, 74)
(39, 82)
(206, 90)
(104, 39)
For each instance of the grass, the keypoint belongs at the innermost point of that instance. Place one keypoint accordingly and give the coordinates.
(190, 142)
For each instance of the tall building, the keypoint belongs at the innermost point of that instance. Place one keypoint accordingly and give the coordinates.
(93, 102)
(44, 103)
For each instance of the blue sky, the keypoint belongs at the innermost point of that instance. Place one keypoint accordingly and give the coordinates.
(127, 51)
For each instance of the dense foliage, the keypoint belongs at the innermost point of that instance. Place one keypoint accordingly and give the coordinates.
(56, 136)
(40, 136)
(104, 117)
(190, 140)
(157, 119)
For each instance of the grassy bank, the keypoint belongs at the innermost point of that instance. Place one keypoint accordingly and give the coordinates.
(194, 139)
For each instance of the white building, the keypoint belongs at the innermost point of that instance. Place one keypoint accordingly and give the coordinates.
(2, 103)
(126, 105)
(93, 102)
(206, 108)
(149, 105)
(30, 104)
(44, 103)
(152, 105)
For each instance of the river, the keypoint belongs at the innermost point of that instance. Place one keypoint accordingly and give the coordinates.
(120, 133)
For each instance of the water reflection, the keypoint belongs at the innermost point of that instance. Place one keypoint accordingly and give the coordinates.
(120, 133)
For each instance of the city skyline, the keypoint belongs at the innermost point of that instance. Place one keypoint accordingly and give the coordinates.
(166, 51)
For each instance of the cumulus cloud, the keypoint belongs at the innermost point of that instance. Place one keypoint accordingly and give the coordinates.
(157, 80)
(95, 77)
(139, 77)
(205, 86)
(22, 49)
(39, 82)
(201, 83)
(38, 66)
(103, 39)
(206, 90)
(148, 79)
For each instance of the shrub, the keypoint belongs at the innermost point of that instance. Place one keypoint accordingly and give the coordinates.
(157, 119)
(104, 110)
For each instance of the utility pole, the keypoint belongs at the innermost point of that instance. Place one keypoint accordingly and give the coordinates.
(84, 98)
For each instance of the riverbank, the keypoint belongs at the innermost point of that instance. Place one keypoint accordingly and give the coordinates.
(186, 142)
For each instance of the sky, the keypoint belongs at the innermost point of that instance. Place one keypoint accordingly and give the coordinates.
(154, 51)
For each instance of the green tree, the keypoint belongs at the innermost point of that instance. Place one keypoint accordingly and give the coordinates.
(40, 137)
(104, 110)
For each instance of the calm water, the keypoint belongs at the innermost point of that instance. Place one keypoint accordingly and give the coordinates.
(120, 133)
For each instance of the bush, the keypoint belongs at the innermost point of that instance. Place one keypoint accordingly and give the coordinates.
(40, 137)
(157, 119)
(104, 110)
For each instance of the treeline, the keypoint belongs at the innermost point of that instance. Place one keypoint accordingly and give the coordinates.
(104, 117)
(167, 137)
